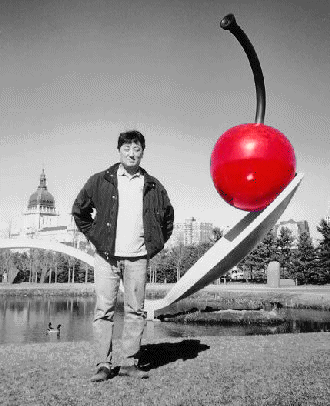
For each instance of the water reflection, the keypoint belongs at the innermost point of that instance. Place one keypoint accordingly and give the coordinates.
(25, 320)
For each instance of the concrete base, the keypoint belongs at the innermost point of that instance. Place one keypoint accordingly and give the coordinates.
(287, 282)
(150, 313)
(273, 274)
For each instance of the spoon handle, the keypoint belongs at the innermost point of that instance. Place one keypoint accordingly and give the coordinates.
(229, 23)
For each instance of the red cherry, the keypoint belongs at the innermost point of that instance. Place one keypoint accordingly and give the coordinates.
(251, 164)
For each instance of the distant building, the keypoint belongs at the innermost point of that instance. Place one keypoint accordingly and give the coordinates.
(196, 232)
(41, 211)
(296, 227)
(235, 274)
(191, 232)
(177, 237)
(40, 220)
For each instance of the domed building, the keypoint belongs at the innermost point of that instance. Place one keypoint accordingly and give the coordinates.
(41, 211)
(40, 220)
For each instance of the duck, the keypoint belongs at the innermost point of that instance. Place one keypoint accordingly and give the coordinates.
(51, 329)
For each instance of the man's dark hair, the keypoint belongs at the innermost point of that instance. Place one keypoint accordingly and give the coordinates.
(129, 137)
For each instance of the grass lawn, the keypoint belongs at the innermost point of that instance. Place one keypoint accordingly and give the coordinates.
(278, 370)
(229, 296)
(275, 370)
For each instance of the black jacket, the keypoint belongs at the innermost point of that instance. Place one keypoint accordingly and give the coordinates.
(101, 193)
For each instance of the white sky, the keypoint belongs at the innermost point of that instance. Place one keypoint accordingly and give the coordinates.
(76, 73)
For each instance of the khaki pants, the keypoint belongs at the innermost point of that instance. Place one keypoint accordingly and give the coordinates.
(107, 275)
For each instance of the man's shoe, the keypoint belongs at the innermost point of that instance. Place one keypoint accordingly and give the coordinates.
(102, 374)
(133, 371)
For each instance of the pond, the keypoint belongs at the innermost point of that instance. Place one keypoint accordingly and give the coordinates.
(25, 320)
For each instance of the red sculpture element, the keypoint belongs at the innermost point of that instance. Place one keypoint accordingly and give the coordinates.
(251, 164)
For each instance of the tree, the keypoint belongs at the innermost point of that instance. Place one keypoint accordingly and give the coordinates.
(85, 268)
(38, 265)
(35, 259)
(72, 264)
(171, 264)
(21, 261)
(191, 254)
(255, 263)
(217, 233)
(8, 265)
(59, 264)
(176, 255)
(304, 261)
(158, 268)
(44, 264)
(284, 251)
(323, 253)
(61, 268)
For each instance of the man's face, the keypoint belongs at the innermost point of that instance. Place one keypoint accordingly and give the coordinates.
(131, 155)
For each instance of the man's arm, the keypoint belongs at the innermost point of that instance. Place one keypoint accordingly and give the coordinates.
(168, 218)
(82, 209)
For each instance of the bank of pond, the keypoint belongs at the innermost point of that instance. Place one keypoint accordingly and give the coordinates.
(249, 297)
(24, 317)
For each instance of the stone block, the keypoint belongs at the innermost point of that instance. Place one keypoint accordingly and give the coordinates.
(273, 274)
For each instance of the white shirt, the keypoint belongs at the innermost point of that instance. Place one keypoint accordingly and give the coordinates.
(130, 231)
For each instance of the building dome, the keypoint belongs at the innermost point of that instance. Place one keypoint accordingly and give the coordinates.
(41, 197)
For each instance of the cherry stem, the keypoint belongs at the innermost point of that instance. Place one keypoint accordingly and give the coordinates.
(229, 23)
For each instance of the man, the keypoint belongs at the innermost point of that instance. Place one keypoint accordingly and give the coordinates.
(133, 219)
